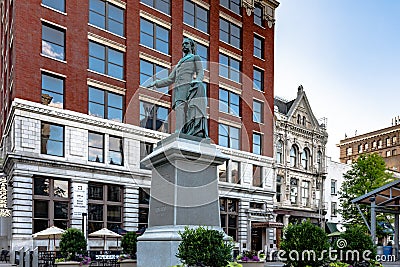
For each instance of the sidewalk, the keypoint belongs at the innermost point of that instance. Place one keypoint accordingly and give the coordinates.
(280, 264)
(2, 264)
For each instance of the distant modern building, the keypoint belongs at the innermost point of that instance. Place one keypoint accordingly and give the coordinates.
(384, 142)
(76, 117)
(300, 167)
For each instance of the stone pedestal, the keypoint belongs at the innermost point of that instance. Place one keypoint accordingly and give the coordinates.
(184, 192)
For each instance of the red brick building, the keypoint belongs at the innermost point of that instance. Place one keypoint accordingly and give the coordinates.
(73, 98)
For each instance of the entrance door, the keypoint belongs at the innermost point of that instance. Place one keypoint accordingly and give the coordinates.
(256, 239)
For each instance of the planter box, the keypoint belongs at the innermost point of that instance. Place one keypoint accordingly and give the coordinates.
(252, 263)
(68, 264)
(128, 263)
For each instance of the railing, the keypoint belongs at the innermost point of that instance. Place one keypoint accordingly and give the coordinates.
(47, 258)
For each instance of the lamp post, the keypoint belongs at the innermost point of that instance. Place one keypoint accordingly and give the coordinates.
(84, 227)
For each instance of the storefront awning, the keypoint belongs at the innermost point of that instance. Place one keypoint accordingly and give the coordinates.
(332, 227)
(266, 225)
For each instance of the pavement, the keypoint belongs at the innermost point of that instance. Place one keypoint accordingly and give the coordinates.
(280, 264)
(2, 264)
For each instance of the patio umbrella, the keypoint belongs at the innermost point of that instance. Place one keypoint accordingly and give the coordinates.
(51, 232)
(104, 232)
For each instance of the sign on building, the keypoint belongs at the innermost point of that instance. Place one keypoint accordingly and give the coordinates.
(80, 199)
(4, 211)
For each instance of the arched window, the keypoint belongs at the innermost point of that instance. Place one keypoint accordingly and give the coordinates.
(319, 160)
(298, 119)
(304, 120)
(293, 156)
(279, 152)
(304, 158)
(366, 146)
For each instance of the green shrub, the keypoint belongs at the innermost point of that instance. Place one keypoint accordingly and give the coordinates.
(299, 239)
(204, 247)
(72, 244)
(129, 243)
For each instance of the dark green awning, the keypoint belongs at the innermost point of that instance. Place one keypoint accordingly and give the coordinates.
(332, 227)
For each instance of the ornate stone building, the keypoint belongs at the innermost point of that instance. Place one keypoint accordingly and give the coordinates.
(300, 168)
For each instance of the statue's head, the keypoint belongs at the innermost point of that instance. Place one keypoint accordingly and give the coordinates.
(192, 44)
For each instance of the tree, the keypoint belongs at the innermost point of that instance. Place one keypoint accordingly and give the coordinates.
(367, 173)
(72, 243)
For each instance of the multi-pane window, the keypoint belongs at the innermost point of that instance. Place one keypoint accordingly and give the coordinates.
(50, 203)
(228, 136)
(258, 49)
(228, 102)
(107, 16)
(202, 51)
(229, 68)
(52, 91)
(394, 140)
(153, 117)
(333, 187)
(229, 33)
(258, 79)
(293, 190)
(222, 174)
(257, 176)
(56, 4)
(144, 200)
(366, 146)
(145, 150)
(319, 160)
(360, 148)
(115, 151)
(305, 158)
(279, 188)
(293, 156)
(96, 147)
(105, 207)
(53, 42)
(334, 208)
(305, 191)
(279, 152)
(150, 71)
(257, 141)
(154, 36)
(388, 141)
(235, 172)
(349, 150)
(229, 212)
(233, 5)
(104, 104)
(258, 111)
(106, 60)
(258, 14)
(52, 139)
(195, 16)
(161, 5)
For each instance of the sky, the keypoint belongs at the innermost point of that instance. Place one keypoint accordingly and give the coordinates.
(346, 54)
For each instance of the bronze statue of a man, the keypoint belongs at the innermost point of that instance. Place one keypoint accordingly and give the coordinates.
(189, 98)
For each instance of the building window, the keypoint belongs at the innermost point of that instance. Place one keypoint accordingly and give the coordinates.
(145, 150)
(50, 203)
(228, 136)
(293, 190)
(52, 139)
(305, 191)
(333, 187)
(379, 143)
(258, 110)
(279, 152)
(229, 68)
(279, 188)
(319, 160)
(202, 52)
(106, 60)
(235, 172)
(394, 140)
(105, 206)
(53, 42)
(228, 102)
(305, 158)
(257, 176)
(334, 208)
(349, 151)
(229, 33)
(222, 172)
(366, 146)
(115, 151)
(257, 143)
(52, 91)
(154, 36)
(374, 144)
(258, 14)
(258, 79)
(107, 16)
(195, 16)
(104, 104)
(153, 117)
(96, 147)
(56, 4)
(293, 156)
(258, 47)
(161, 5)
(388, 141)
(144, 200)
(304, 121)
(360, 148)
(394, 152)
(233, 5)
(388, 153)
(150, 72)
(229, 212)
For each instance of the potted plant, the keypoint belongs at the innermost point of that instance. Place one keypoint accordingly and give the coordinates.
(73, 247)
(201, 246)
(387, 250)
(129, 246)
(250, 259)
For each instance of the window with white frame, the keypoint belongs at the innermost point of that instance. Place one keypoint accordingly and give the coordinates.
(257, 176)
(96, 147)
(257, 143)
(104, 104)
(55, 4)
(161, 5)
(294, 190)
(258, 111)
(107, 16)
(333, 187)
(53, 41)
(52, 90)
(228, 102)
(229, 68)
(115, 151)
(258, 15)
(195, 16)
(258, 49)
(258, 79)
(228, 136)
(106, 60)
(294, 151)
(230, 33)
(305, 193)
(305, 158)
(279, 152)
(233, 5)
(154, 36)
